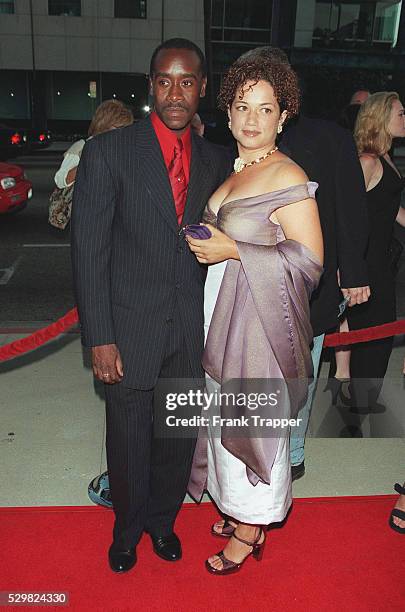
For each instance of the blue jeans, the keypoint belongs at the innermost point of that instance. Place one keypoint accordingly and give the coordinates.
(297, 438)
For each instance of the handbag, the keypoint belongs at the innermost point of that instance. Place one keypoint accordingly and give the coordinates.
(197, 231)
(60, 206)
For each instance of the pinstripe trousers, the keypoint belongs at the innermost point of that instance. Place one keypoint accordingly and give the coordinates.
(148, 475)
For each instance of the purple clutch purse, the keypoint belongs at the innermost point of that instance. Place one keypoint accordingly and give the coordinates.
(199, 232)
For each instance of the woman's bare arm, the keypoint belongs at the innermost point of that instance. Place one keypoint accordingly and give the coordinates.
(71, 176)
(300, 220)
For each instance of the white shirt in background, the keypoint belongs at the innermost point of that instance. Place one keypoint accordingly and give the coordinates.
(71, 160)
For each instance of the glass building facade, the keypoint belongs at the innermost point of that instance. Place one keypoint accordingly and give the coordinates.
(355, 25)
(335, 46)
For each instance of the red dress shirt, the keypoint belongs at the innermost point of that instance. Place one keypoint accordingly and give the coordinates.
(167, 141)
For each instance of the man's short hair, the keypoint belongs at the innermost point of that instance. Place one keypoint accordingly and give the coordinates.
(359, 96)
(179, 43)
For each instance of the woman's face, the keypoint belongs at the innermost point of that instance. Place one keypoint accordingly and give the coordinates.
(256, 117)
(396, 124)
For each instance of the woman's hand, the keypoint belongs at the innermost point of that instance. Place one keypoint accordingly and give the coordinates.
(215, 249)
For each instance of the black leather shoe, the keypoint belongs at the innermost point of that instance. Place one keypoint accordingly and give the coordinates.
(297, 471)
(167, 547)
(121, 560)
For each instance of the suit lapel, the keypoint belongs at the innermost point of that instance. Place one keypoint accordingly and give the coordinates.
(199, 178)
(154, 173)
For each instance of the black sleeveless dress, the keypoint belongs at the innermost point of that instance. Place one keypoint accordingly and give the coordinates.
(369, 360)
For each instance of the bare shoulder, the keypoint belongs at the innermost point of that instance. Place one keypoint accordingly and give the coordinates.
(369, 161)
(372, 169)
(286, 173)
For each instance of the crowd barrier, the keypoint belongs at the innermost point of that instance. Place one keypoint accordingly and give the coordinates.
(71, 318)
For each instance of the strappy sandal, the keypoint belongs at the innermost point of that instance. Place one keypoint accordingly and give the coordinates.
(396, 512)
(227, 529)
(231, 567)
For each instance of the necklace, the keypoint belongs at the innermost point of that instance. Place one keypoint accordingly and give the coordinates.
(240, 165)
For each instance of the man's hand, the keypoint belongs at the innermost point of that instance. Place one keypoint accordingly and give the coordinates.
(215, 249)
(107, 363)
(356, 295)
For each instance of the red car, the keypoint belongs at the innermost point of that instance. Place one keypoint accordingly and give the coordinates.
(15, 188)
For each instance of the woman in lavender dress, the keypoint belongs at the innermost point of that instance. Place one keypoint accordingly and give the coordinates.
(265, 258)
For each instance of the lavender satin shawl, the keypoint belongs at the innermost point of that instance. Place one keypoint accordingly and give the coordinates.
(280, 279)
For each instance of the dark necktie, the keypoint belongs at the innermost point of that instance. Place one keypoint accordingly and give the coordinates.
(178, 180)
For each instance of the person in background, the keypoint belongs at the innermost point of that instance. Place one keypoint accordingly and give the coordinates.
(109, 115)
(381, 118)
(360, 96)
(197, 125)
(340, 361)
(348, 116)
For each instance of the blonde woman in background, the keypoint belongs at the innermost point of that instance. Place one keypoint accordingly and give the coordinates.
(109, 115)
(381, 118)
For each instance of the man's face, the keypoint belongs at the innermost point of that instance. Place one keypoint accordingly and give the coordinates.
(177, 86)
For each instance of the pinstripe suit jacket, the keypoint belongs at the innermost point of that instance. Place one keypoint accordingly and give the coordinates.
(132, 271)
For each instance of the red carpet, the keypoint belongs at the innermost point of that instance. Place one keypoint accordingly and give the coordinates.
(333, 554)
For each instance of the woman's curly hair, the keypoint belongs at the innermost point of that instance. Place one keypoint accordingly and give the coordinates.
(281, 77)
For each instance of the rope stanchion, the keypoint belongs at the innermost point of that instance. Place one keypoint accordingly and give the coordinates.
(33, 341)
(366, 334)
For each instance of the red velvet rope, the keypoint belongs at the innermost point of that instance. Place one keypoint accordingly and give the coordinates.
(364, 335)
(18, 347)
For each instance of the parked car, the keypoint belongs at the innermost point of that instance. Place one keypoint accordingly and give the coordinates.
(16, 141)
(15, 188)
(12, 141)
(38, 139)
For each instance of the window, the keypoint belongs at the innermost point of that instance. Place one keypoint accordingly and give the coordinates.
(254, 14)
(217, 12)
(344, 20)
(353, 24)
(68, 8)
(7, 6)
(245, 21)
(247, 14)
(386, 22)
(130, 9)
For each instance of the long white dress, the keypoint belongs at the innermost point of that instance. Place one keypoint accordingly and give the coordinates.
(258, 323)
(227, 481)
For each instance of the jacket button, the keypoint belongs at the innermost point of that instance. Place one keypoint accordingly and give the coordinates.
(169, 319)
(180, 249)
(178, 285)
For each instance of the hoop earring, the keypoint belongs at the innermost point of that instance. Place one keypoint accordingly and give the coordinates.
(229, 124)
(280, 128)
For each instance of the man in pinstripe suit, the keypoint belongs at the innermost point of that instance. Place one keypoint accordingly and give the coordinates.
(139, 289)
